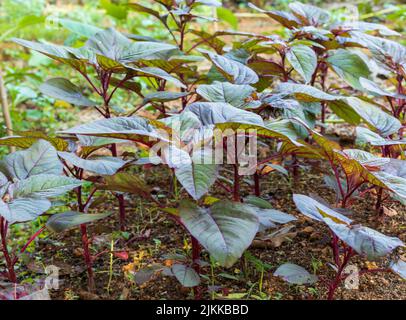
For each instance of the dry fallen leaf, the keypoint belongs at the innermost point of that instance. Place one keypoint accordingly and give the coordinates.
(389, 212)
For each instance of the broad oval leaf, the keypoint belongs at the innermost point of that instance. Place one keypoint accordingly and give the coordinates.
(349, 66)
(40, 158)
(61, 222)
(44, 186)
(304, 92)
(199, 174)
(303, 59)
(232, 94)
(211, 113)
(127, 128)
(186, 275)
(375, 117)
(308, 14)
(399, 268)
(234, 71)
(125, 182)
(115, 46)
(365, 241)
(315, 210)
(267, 216)
(23, 209)
(63, 89)
(101, 165)
(286, 19)
(163, 96)
(226, 229)
(295, 274)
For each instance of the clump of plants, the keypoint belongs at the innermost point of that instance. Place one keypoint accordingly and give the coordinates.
(280, 92)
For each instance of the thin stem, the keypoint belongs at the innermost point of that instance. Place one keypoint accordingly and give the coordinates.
(10, 266)
(87, 256)
(257, 188)
(196, 263)
(32, 238)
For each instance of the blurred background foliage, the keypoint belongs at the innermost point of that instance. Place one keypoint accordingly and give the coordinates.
(57, 21)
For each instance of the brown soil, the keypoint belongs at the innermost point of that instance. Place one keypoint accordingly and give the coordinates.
(152, 235)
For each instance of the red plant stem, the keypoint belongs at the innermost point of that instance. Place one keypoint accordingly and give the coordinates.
(106, 98)
(10, 266)
(196, 264)
(85, 244)
(323, 117)
(269, 159)
(295, 168)
(87, 256)
(236, 189)
(226, 188)
(32, 238)
(338, 279)
(257, 187)
(379, 200)
(337, 176)
(120, 197)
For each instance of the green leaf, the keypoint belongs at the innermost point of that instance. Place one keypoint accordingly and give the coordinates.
(375, 117)
(158, 73)
(372, 87)
(217, 112)
(28, 138)
(304, 92)
(365, 135)
(345, 111)
(234, 71)
(164, 96)
(199, 174)
(127, 128)
(395, 167)
(21, 142)
(100, 165)
(125, 182)
(63, 89)
(115, 10)
(66, 55)
(115, 46)
(295, 274)
(185, 275)
(314, 209)
(227, 16)
(61, 222)
(349, 66)
(399, 268)
(40, 158)
(210, 3)
(365, 241)
(286, 19)
(308, 14)
(140, 8)
(368, 26)
(226, 229)
(82, 29)
(304, 60)
(282, 129)
(44, 186)
(267, 216)
(24, 22)
(24, 209)
(232, 94)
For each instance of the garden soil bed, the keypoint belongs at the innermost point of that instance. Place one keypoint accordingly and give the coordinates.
(150, 235)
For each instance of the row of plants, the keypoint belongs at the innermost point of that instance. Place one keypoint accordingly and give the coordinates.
(283, 91)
